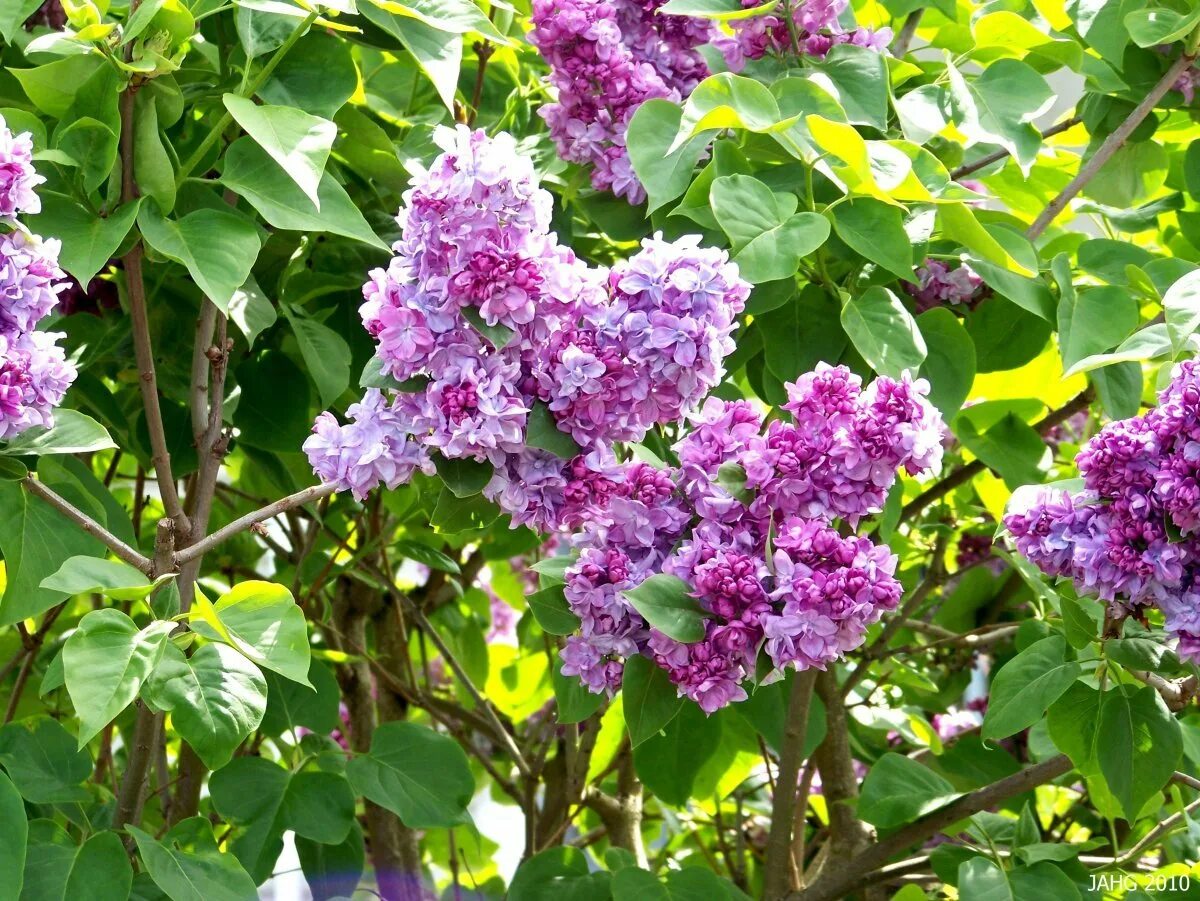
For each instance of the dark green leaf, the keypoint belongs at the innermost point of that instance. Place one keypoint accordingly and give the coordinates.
(542, 431)
(898, 790)
(1027, 685)
(552, 612)
(884, 332)
(649, 699)
(666, 603)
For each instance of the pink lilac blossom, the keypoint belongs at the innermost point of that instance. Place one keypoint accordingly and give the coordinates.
(1132, 536)
(34, 371)
(940, 285)
(779, 585)
(606, 58)
(500, 328)
(817, 25)
(18, 179)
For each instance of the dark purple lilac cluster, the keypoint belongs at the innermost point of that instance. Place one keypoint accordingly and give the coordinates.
(940, 285)
(607, 57)
(34, 371)
(1131, 536)
(748, 520)
(501, 328)
(817, 28)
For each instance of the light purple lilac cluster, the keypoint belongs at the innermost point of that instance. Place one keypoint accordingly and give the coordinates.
(817, 25)
(502, 330)
(606, 58)
(749, 520)
(34, 372)
(1132, 536)
(938, 285)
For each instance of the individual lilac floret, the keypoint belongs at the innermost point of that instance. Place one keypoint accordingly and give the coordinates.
(34, 376)
(30, 281)
(607, 57)
(375, 447)
(17, 176)
(1130, 538)
(941, 285)
(817, 28)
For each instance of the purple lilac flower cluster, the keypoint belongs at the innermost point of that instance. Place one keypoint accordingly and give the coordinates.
(817, 28)
(748, 520)
(34, 372)
(940, 285)
(498, 324)
(1132, 536)
(606, 58)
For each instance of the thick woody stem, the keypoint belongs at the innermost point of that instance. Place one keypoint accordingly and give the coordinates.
(777, 879)
(857, 871)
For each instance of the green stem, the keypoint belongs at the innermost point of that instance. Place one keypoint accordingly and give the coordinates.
(214, 136)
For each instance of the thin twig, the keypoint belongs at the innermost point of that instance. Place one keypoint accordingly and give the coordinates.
(777, 876)
(202, 547)
(996, 155)
(112, 542)
(907, 32)
(1111, 145)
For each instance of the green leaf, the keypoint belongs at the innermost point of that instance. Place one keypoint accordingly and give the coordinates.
(1151, 27)
(262, 621)
(1181, 307)
(665, 172)
(52, 87)
(218, 248)
(200, 874)
(898, 790)
(106, 661)
(273, 412)
(499, 336)
(666, 603)
(112, 578)
(717, 10)
(437, 52)
(726, 100)
(318, 75)
(574, 700)
(950, 364)
(12, 17)
(216, 698)
(100, 871)
(250, 172)
(454, 16)
(669, 763)
(1010, 446)
(44, 761)
(876, 230)
(559, 873)
(290, 704)
(14, 832)
(801, 333)
(88, 241)
(858, 79)
(417, 774)
(1090, 321)
(36, 539)
(152, 166)
(298, 142)
(542, 431)
(1027, 685)
(649, 700)
(746, 208)
(1000, 106)
(1140, 745)
(251, 310)
(423, 553)
(1145, 344)
(464, 477)
(1030, 293)
(776, 254)
(552, 612)
(326, 354)
(884, 332)
(332, 871)
(72, 433)
(267, 800)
